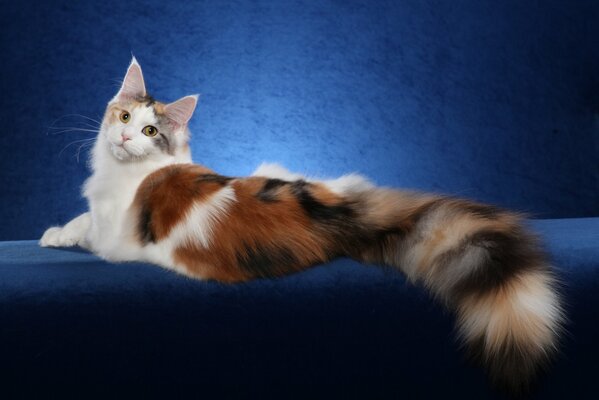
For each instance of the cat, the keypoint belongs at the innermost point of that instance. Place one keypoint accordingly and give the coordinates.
(149, 202)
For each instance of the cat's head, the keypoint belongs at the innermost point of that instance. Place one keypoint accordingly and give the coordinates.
(137, 127)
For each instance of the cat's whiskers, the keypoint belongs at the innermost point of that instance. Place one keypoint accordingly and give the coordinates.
(82, 123)
(82, 146)
(89, 140)
(75, 115)
(86, 117)
(65, 129)
(87, 125)
(79, 116)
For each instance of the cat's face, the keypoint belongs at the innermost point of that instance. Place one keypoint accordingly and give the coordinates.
(137, 127)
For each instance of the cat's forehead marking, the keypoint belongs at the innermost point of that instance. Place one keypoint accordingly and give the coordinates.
(159, 108)
(152, 104)
(143, 113)
(144, 110)
(149, 101)
(137, 109)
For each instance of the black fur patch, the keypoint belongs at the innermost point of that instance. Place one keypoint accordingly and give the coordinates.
(262, 262)
(269, 190)
(163, 143)
(514, 368)
(221, 180)
(315, 209)
(144, 227)
(508, 254)
(149, 100)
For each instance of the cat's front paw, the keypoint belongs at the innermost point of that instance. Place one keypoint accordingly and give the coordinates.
(57, 237)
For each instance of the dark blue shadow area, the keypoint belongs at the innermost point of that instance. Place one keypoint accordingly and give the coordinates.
(496, 101)
(341, 330)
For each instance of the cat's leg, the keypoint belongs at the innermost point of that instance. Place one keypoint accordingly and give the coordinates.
(276, 171)
(72, 234)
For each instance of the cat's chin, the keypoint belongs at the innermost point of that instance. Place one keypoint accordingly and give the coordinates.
(126, 152)
(120, 153)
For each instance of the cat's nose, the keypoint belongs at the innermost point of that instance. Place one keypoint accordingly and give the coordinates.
(125, 137)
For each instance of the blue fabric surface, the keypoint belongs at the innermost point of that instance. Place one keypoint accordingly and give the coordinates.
(341, 330)
(493, 100)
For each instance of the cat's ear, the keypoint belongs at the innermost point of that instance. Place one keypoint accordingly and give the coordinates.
(181, 110)
(133, 85)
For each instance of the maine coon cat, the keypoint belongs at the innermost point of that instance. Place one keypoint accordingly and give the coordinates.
(148, 202)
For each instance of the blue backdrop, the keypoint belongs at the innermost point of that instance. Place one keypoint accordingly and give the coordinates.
(497, 101)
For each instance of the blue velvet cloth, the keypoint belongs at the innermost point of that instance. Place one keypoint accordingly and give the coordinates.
(493, 100)
(341, 330)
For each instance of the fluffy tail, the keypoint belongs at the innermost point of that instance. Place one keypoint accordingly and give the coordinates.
(484, 265)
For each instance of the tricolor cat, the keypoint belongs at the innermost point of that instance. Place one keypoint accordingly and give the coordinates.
(148, 202)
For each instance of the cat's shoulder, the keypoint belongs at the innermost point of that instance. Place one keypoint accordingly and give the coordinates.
(182, 179)
(181, 170)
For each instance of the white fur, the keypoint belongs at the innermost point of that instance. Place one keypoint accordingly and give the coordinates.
(276, 171)
(140, 145)
(351, 183)
(198, 224)
(72, 234)
(110, 190)
(528, 313)
(118, 168)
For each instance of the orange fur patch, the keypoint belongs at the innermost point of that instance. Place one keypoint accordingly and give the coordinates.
(168, 194)
(253, 232)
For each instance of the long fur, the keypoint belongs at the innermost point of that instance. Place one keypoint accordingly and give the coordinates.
(149, 202)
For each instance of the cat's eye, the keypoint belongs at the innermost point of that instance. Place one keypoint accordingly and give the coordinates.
(149, 131)
(125, 117)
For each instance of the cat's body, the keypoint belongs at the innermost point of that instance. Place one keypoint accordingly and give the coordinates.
(149, 203)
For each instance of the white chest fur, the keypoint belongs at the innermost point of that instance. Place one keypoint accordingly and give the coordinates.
(110, 191)
(109, 197)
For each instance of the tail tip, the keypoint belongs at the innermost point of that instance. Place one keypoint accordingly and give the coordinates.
(514, 332)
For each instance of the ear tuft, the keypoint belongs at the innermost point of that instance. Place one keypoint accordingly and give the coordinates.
(181, 110)
(133, 85)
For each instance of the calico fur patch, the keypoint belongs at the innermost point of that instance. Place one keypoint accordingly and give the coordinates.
(477, 259)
